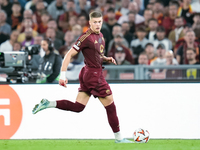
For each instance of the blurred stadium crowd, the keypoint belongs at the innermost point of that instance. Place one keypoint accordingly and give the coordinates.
(148, 32)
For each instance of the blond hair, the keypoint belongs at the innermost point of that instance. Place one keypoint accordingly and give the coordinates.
(95, 14)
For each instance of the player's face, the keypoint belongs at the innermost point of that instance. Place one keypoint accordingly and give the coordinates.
(96, 24)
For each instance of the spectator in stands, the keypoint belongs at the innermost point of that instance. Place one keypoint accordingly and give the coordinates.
(172, 73)
(143, 59)
(111, 4)
(82, 7)
(69, 39)
(45, 17)
(40, 8)
(169, 21)
(117, 30)
(131, 20)
(150, 4)
(158, 11)
(32, 4)
(37, 40)
(28, 14)
(83, 22)
(6, 5)
(160, 60)
(191, 56)
(111, 19)
(120, 58)
(16, 16)
(72, 22)
(189, 43)
(56, 8)
(196, 25)
(177, 33)
(8, 45)
(132, 7)
(138, 44)
(124, 7)
(51, 33)
(126, 32)
(170, 60)
(65, 17)
(148, 14)
(52, 24)
(141, 6)
(77, 31)
(22, 36)
(118, 43)
(4, 27)
(160, 34)
(192, 73)
(17, 46)
(29, 40)
(181, 41)
(101, 6)
(186, 11)
(25, 24)
(153, 24)
(149, 50)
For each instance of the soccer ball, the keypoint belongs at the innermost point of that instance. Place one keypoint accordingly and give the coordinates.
(141, 136)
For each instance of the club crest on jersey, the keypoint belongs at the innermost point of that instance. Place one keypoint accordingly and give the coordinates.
(100, 40)
(101, 48)
(108, 91)
(78, 43)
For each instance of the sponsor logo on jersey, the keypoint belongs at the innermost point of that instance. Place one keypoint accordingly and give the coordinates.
(95, 42)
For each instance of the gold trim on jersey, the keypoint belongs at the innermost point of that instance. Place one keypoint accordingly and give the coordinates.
(85, 35)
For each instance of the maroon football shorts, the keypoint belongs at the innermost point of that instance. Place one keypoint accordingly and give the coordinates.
(93, 82)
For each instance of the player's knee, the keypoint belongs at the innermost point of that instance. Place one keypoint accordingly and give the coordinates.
(79, 107)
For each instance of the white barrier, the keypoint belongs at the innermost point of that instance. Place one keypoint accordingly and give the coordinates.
(165, 110)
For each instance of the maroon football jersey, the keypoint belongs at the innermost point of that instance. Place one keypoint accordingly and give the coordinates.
(92, 46)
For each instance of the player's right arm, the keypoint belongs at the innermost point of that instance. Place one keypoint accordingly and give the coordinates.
(63, 80)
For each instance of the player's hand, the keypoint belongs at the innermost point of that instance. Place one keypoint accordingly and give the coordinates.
(111, 60)
(63, 82)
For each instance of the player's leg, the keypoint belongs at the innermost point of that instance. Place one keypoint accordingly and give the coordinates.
(110, 107)
(81, 101)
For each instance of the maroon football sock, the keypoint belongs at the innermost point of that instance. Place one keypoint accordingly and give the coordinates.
(70, 106)
(112, 117)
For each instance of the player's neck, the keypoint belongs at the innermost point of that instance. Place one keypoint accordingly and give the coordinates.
(94, 31)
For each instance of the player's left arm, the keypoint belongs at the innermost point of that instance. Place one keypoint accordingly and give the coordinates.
(109, 60)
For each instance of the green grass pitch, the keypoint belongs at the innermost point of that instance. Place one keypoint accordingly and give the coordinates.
(98, 145)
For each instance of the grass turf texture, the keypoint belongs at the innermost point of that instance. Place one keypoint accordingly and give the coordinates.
(98, 145)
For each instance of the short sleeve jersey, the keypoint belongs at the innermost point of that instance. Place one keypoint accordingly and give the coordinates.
(92, 46)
